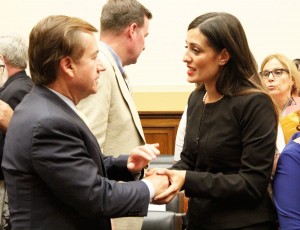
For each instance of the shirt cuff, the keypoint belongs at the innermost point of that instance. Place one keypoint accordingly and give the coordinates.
(150, 187)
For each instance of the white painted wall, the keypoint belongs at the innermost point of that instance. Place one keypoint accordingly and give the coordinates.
(271, 26)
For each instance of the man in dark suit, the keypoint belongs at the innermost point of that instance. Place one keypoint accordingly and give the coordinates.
(13, 51)
(56, 175)
(15, 84)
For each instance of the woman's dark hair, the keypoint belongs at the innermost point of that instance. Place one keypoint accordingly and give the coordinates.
(224, 31)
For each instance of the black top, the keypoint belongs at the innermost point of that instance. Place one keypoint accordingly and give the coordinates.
(228, 151)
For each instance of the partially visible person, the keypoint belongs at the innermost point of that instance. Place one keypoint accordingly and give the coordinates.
(13, 60)
(6, 113)
(5, 116)
(282, 79)
(286, 184)
(297, 63)
(13, 52)
(179, 141)
(228, 152)
(3, 71)
(56, 175)
(111, 112)
(280, 144)
(5, 110)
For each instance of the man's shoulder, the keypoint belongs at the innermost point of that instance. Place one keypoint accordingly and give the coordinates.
(19, 81)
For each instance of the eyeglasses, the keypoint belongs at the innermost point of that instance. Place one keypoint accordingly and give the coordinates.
(2, 69)
(275, 72)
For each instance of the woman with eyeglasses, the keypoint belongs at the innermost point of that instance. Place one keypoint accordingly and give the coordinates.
(280, 76)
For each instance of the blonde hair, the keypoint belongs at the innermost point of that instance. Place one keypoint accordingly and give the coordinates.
(290, 66)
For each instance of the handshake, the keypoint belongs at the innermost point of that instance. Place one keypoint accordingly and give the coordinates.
(167, 183)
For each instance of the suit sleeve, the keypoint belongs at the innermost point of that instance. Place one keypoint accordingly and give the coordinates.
(60, 158)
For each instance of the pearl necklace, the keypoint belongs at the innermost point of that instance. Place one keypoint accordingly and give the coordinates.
(205, 95)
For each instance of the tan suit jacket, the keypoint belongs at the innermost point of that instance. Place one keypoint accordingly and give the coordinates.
(111, 112)
(114, 120)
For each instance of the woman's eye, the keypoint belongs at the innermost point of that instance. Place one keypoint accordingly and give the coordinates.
(196, 51)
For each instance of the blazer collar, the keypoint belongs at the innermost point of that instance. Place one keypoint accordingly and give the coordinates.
(54, 98)
(17, 75)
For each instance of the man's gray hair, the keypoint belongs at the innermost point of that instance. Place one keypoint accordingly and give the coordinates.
(14, 50)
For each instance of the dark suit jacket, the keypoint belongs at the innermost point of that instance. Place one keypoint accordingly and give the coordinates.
(12, 92)
(15, 88)
(56, 175)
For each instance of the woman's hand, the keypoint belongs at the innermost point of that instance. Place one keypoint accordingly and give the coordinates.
(176, 180)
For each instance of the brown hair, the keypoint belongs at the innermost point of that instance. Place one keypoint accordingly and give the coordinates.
(116, 15)
(52, 39)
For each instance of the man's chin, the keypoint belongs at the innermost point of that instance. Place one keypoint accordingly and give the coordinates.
(94, 91)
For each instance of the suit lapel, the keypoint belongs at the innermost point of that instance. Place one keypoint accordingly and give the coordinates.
(43, 91)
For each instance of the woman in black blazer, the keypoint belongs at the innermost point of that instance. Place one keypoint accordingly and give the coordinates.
(229, 145)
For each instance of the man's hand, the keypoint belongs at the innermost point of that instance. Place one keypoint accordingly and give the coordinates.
(5, 115)
(140, 157)
(159, 182)
(176, 179)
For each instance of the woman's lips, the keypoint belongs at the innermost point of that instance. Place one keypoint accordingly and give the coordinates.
(271, 87)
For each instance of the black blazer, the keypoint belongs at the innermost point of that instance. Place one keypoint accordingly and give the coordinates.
(228, 153)
(56, 175)
(12, 92)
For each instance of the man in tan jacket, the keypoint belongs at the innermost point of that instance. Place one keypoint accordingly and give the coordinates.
(111, 113)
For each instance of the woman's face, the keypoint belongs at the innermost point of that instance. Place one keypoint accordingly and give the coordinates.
(201, 59)
(280, 86)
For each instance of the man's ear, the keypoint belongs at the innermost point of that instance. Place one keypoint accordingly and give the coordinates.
(132, 29)
(66, 65)
(224, 57)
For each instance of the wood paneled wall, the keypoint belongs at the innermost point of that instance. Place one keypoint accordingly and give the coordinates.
(161, 127)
